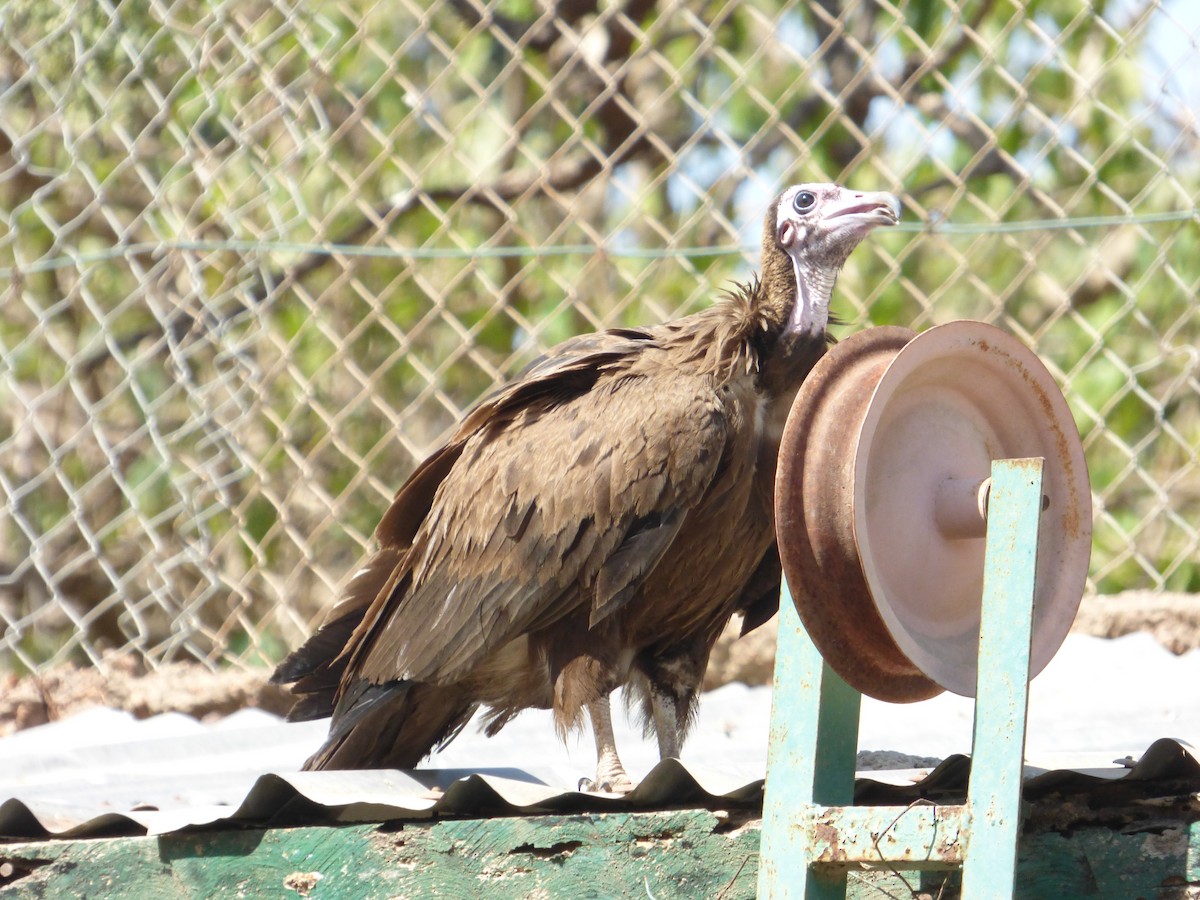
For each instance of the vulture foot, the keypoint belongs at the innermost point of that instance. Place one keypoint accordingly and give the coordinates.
(609, 780)
(610, 772)
(618, 783)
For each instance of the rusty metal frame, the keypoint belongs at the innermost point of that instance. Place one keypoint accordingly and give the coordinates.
(812, 832)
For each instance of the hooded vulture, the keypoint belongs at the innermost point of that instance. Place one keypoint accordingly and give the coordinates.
(593, 524)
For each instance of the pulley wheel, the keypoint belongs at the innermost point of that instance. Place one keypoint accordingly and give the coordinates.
(881, 502)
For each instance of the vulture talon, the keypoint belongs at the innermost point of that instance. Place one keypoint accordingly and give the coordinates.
(588, 786)
(592, 524)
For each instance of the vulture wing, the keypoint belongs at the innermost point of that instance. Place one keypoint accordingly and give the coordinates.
(567, 489)
(759, 600)
(316, 669)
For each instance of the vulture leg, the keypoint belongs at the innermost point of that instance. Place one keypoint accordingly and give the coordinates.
(610, 772)
(664, 709)
(670, 685)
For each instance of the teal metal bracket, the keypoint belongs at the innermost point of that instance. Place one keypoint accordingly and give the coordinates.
(813, 834)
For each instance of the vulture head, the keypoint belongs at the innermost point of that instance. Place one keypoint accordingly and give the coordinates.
(808, 233)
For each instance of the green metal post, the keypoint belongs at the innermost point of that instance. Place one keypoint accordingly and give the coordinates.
(1002, 692)
(810, 762)
(812, 832)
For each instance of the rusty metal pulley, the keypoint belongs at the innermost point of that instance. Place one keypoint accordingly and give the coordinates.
(881, 502)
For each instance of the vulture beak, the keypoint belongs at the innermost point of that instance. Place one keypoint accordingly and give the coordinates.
(860, 211)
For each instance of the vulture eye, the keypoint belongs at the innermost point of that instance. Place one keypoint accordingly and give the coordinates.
(805, 200)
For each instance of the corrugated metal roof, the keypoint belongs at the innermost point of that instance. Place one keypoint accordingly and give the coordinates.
(170, 773)
(104, 772)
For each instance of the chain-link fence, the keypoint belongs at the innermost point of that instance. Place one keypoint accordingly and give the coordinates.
(257, 255)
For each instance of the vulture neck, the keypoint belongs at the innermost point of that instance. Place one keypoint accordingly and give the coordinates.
(772, 328)
(812, 290)
(794, 302)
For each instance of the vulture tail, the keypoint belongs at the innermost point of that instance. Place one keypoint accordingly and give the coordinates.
(315, 669)
(392, 726)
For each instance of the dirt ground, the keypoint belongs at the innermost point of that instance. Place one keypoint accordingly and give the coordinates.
(194, 689)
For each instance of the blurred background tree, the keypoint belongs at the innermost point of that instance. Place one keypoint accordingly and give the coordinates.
(259, 255)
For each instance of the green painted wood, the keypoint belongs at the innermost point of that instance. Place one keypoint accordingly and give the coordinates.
(1100, 864)
(810, 760)
(1002, 690)
(670, 854)
(679, 854)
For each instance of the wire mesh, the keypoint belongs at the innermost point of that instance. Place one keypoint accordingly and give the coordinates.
(257, 256)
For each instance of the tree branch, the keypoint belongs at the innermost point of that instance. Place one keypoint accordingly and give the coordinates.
(625, 137)
(917, 66)
(538, 35)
